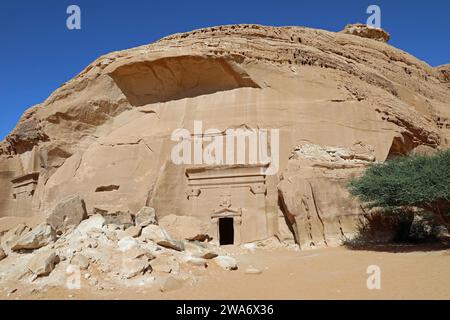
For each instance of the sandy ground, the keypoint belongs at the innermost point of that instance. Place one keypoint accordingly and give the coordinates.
(333, 273)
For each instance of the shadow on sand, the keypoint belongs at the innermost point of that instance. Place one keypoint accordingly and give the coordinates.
(401, 247)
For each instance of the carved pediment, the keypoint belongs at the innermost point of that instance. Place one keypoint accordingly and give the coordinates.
(226, 212)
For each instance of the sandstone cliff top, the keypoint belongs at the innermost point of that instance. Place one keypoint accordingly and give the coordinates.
(366, 31)
(88, 101)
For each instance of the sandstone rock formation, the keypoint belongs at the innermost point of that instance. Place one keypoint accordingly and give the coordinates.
(103, 262)
(69, 212)
(145, 217)
(9, 238)
(37, 238)
(2, 254)
(154, 233)
(43, 263)
(134, 267)
(365, 31)
(313, 189)
(106, 134)
(183, 227)
(95, 254)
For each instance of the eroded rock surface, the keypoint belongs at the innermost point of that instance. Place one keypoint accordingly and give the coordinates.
(313, 194)
(366, 31)
(69, 212)
(145, 217)
(39, 237)
(43, 263)
(105, 135)
(11, 236)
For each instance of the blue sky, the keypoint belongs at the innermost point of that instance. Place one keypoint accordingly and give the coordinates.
(38, 53)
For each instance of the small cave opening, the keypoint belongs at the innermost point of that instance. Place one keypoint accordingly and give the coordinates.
(226, 231)
(175, 78)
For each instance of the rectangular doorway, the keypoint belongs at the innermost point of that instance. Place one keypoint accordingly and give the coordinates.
(226, 231)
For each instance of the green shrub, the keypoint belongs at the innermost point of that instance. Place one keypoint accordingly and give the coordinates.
(415, 181)
(381, 227)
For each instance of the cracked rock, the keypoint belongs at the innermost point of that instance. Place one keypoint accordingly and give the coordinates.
(134, 267)
(146, 216)
(43, 263)
(37, 238)
(69, 212)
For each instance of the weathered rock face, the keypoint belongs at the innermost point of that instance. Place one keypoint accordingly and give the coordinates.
(106, 134)
(146, 216)
(154, 233)
(134, 267)
(37, 238)
(94, 222)
(180, 227)
(445, 74)
(313, 189)
(366, 31)
(9, 238)
(124, 218)
(43, 263)
(70, 212)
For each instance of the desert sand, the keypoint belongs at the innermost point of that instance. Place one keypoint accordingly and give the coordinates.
(407, 272)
